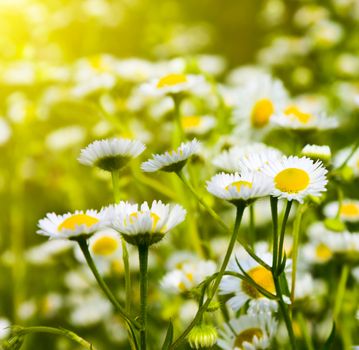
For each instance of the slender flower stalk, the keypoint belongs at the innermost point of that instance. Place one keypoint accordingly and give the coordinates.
(274, 210)
(296, 238)
(341, 291)
(210, 211)
(125, 257)
(282, 232)
(276, 254)
(84, 248)
(203, 308)
(57, 331)
(252, 228)
(143, 259)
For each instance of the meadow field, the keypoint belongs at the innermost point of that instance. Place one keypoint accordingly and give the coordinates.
(179, 174)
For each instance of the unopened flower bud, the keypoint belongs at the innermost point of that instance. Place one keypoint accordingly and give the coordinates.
(202, 336)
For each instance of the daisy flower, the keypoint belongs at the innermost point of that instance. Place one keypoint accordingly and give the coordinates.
(202, 336)
(349, 210)
(145, 224)
(173, 84)
(317, 152)
(298, 117)
(236, 158)
(197, 124)
(248, 332)
(71, 225)
(295, 178)
(242, 290)
(244, 187)
(259, 100)
(174, 160)
(188, 276)
(105, 244)
(111, 154)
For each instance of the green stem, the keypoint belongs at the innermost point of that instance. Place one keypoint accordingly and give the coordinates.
(143, 258)
(304, 330)
(125, 257)
(83, 245)
(210, 211)
(203, 308)
(341, 291)
(116, 185)
(274, 210)
(282, 232)
(284, 310)
(346, 160)
(296, 238)
(252, 229)
(57, 331)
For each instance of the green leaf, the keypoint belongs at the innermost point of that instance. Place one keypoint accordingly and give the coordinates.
(328, 344)
(169, 337)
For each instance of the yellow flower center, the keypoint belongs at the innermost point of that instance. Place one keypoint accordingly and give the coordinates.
(171, 80)
(105, 245)
(247, 336)
(191, 121)
(302, 117)
(292, 180)
(261, 113)
(155, 218)
(77, 220)
(323, 252)
(349, 209)
(98, 64)
(263, 278)
(239, 184)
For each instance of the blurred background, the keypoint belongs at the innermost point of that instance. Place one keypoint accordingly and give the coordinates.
(50, 108)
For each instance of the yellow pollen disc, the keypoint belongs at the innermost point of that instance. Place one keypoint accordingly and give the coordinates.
(98, 64)
(349, 209)
(302, 117)
(105, 245)
(77, 220)
(263, 278)
(182, 287)
(261, 113)
(189, 276)
(323, 252)
(155, 218)
(292, 180)
(171, 80)
(247, 336)
(239, 184)
(191, 121)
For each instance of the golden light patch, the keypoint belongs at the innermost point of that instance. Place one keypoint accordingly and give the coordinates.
(323, 252)
(105, 245)
(191, 121)
(247, 336)
(302, 117)
(72, 222)
(171, 80)
(349, 209)
(263, 278)
(292, 180)
(239, 184)
(261, 113)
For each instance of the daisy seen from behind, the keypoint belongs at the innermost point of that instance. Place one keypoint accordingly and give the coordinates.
(111, 154)
(172, 161)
